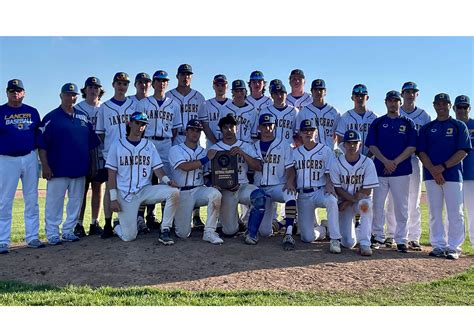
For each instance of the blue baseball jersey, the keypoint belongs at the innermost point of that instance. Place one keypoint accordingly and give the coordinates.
(392, 136)
(67, 140)
(468, 162)
(440, 140)
(18, 129)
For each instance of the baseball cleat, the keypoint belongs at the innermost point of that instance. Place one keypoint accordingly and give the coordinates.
(141, 226)
(276, 226)
(402, 248)
(326, 227)
(197, 223)
(288, 242)
(414, 245)
(389, 241)
(36, 243)
(107, 233)
(242, 226)
(335, 246)
(365, 250)
(4, 249)
(452, 254)
(437, 252)
(69, 237)
(375, 244)
(165, 238)
(55, 240)
(249, 240)
(152, 224)
(79, 230)
(95, 229)
(212, 237)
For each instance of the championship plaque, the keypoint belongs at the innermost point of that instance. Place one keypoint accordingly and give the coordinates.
(224, 170)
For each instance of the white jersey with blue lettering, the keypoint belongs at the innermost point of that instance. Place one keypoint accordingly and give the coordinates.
(180, 154)
(326, 119)
(312, 165)
(285, 121)
(246, 117)
(354, 121)
(259, 103)
(299, 102)
(161, 119)
(189, 106)
(90, 110)
(353, 178)
(276, 160)
(418, 115)
(210, 114)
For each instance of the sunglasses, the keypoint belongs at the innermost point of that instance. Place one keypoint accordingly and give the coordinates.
(15, 90)
(141, 116)
(359, 90)
(461, 107)
(124, 83)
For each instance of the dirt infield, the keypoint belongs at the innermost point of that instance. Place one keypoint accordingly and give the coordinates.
(196, 265)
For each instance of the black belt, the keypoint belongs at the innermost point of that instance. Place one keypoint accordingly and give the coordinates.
(187, 188)
(158, 138)
(308, 190)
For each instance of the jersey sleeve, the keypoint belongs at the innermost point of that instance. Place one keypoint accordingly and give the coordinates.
(254, 129)
(421, 143)
(370, 140)
(288, 157)
(464, 139)
(341, 126)
(177, 120)
(335, 173)
(298, 119)
(371, 179)
(250, 150)
(155, 157)
(94, 140)
(175, 157)
(44, 132)
(330, 161)
(412, 134)
(141, 105)
(100, 123)
(112, 156)
(202, 112)
(337, 119)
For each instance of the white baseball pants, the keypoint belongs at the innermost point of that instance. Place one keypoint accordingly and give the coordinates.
(350, 235)
(229, 216)
(398, 186)
(150, 194)
(55, 193)
(199, 196)
(308, 225)
(276, 194)
(468, 192)
(11, 170)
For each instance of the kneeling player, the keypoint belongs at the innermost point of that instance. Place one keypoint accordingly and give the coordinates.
(354, 176)
(130, 163)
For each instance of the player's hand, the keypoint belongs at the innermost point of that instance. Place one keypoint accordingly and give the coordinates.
(172, 183)
(390, 166)
(437, 169)
(236, 150)
(47, 173)
(359, 195)
(115, 206)
(439, 179)
(290, 188)
(330, 189)
(343, 205)
(211, 154)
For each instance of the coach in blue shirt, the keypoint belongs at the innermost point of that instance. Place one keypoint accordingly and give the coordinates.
(392, 139)
(443, 144)
(65, 144)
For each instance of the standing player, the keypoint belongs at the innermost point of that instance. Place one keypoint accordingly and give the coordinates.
(312, 162)
(257, 96)
(209, 113)
(443, 144)
(420, 118)
(66, 147)
(462, 107)
(91, 93)
(392, 140)
(142, 85)
(131, 162)
(354, 176)
(112, 120)
(324, 115)
(188, 160)
(18, 159)
(298, 98)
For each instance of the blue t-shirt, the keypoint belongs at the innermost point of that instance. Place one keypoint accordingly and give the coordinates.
(468, 162)
(392, 136)
(440, 140)
(18, 129)
(67, 140)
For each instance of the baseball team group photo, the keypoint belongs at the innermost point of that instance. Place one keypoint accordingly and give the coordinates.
(259, 182)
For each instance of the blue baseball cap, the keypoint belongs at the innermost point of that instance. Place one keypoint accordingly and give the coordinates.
(277, 87)
(185, 68)
(360, 89)
(351, 136)
(266, 119)
(410, 86)
(393, 94)
(307, 124)
(15, 84)
(142, 76)
(121, 76)
(238, 85)
(297, 72)
(257, 75)
(194, 123)
(442, 97)
(318, 84)
(70, 88)
(220, 78)
(161, 75)
(139, 116)
(275, 81)
(462, 100)
(92, 81)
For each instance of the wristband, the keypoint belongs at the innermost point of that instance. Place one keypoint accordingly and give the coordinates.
(113, 194)
(165, 179)
(204, 160)
(444, 165)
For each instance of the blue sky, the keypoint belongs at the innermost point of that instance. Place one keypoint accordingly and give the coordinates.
(436, 64)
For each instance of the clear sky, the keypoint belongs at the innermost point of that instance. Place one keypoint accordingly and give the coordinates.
(436, 64)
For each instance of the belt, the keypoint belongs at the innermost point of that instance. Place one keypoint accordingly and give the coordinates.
(158, 138)
(187, 188)
(309, 190)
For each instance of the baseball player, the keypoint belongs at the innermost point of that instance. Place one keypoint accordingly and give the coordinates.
(462, 107)
(209, 113)
(131, 162)
(276, 180)
(324, 115)
(298, 98)
(257, 96)
(188, 160)
(66, 141)
(245, 193)
(443, 144)
(18, 160)
(142, 85)
(91, 93)
(312, 162)
(354, 176)
(420, 118)
(392, 140)
(112, 120)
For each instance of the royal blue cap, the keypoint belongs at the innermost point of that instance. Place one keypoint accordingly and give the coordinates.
(307, 124)
(238, 85)
(275, 81)
(257, 75)
(15, 84)
(266, 119)
(442, 97)
(194, 123)
(393, 94)
(410, 86)
(161, 75)
(351, 135)
(92, 81)
(139, 116)
(121, 76)
(462, 99)
(70, 88)
(185, 68)
(318, 84)
(360, 89)
(297, 72)
(220, 78)
(277, 87)
(142, 76)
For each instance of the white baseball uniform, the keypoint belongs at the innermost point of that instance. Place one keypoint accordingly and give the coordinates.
(247, 120)
(134, 165)
(210, 113)
(285, 125)
(311, 167)
(299, 102)
(259, 103)
(192, 190)
(468, 184)
(353, 177)
(354, 121)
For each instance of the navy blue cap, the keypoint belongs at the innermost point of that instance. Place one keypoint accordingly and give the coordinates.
(161, 75)
(15, 84)
(238, 85)
(318, 84)
(410, 86)
(227, 120)
(307, 124)
(360, 89)
(462, 99)
(257, 75)
(266, 119)
(351, 135)
(121, 76)
(442, 97)
(393, 94)
(220, 78)
(92, 81)
(275, 81)
(70, 88)
(194, 123)
(277, 87)
(185, 68)
(297, 72)
(142, 76)
(139, 116)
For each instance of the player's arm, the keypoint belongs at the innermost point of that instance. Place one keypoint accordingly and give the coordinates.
(436, 172)
(253, 163)
(290, 175)
(329, 185)
(390, 165)
(404, 155)
(208, 132)
(174, 132)
(46, 170)
(163, 178)
(112, 184)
